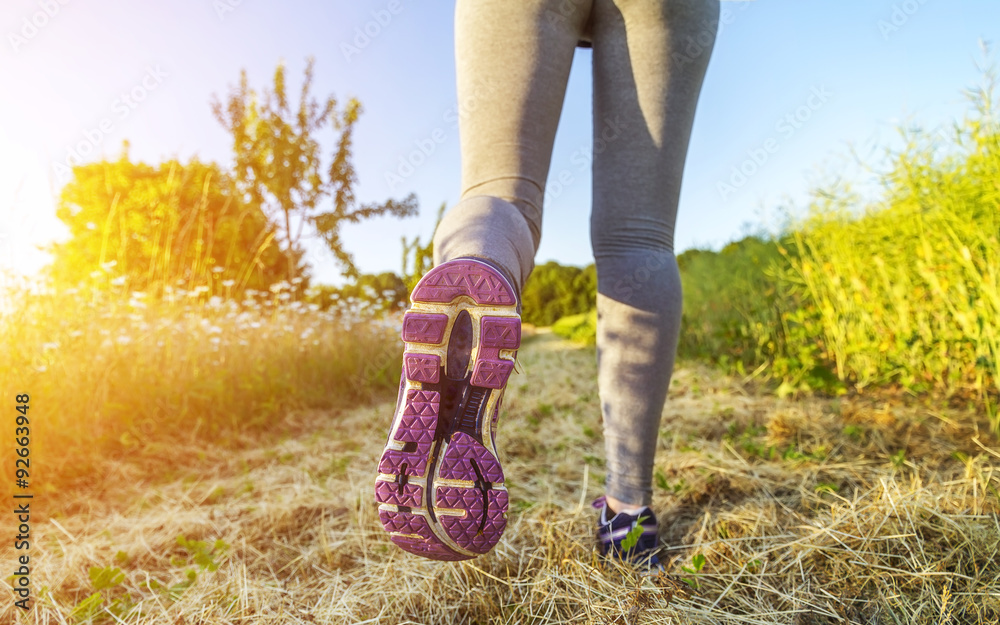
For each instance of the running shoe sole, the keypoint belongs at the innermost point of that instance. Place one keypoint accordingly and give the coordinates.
(440, 487)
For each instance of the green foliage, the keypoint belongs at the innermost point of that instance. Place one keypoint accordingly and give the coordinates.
(733, 307)
(632, 538)
(174, 591)
(750, 440)
(898, 459)
(278, 164)
(108, 603)
(554, 291)
(88, 608)
(908, 294)
(174, 224)
(106, 577)
(581, 328)
(904, 293)
(201, 554)
(697, 564)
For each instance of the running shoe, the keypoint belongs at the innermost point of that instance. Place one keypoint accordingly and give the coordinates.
(440, 488)
(612, 532)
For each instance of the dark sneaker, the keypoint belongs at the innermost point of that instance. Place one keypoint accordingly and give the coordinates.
(440, 487)
(612, 532)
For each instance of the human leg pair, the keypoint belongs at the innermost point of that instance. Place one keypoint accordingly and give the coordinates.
(513, 62)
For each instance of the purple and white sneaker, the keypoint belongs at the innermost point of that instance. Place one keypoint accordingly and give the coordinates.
(611, 532)
(440, 487)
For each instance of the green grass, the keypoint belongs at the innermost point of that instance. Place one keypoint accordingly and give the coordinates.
(581, 328)
(115, 374)
(901, 294)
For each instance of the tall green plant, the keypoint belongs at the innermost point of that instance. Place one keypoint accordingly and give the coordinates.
(279, 167)
(909, 294)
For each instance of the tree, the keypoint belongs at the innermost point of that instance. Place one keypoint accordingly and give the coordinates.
(553, 291)
(423, 255)
(163, 224)
(278, 164)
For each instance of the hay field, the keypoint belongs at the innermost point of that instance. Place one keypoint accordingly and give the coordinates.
(859, 509)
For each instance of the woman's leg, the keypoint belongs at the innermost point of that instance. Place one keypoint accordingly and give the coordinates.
(440, 486)
(512, 64)
(650, 58)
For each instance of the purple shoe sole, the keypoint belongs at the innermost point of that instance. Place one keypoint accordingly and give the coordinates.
(440, 488)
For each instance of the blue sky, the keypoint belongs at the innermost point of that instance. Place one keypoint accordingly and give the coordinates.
(850, 70)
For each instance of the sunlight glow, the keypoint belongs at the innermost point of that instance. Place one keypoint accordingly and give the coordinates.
(27, 209)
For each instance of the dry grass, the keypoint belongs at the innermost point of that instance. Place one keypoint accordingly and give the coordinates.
(814, 511)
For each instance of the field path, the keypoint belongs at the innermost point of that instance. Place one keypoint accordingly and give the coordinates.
(802, 509)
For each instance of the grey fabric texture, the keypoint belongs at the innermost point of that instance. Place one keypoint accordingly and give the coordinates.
(649, 61)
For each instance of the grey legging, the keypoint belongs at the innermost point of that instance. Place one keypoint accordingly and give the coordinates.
(650, 57)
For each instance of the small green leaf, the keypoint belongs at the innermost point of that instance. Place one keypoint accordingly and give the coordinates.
(632, 538)
(106, 577)
(699, 562)
(898, 459)
(88, 608)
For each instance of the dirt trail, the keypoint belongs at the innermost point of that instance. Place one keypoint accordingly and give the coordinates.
(795, 505)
